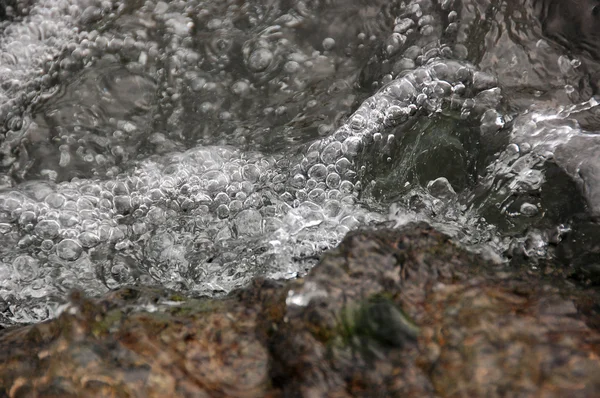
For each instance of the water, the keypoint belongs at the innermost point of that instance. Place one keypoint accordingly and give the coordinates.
(197, 144)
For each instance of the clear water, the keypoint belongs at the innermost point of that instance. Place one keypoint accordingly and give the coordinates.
(197, 144)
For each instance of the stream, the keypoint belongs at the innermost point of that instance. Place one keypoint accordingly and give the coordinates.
(198, 144)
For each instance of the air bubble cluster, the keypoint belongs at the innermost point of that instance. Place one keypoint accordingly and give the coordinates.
(202, 148)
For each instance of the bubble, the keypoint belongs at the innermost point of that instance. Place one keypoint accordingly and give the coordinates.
(5, 228)
(441, 188)
(236, 205)
(84, 204)
(346, 187)
(318, 172)
(214, 24)
(65, 157)
(459, 89)
(402, 90)
(222, 198)
(47, 229)
(122, 204)
(402, 25)
(69, 249)
(298, 181)
(248, 222)
(120, 271)
(440, 89)
(120, 188)
(115, 45)
(25, 268)
(317, 195)
(101, 43)
(254, 200)
(357, 122)
(251, 173)
(305, 216)
(223, 211)
(396, 114)
(116, 234)
(241, 196)
(333, 180)
(395, 43)
(27, 218)
(241, 88)
(328, 44)
(332, 208)
(55, 200)
(331, 152)
(89, 239)
(47, 245)
(529, 209)
(156, 195)
(292, 67)
(216, 181)
(343, 165)
(350, 221)
(138, 229)
(301, 195)
(88, 189)
(260, 59)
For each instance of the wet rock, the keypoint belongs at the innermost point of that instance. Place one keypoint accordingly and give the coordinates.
(388, 313)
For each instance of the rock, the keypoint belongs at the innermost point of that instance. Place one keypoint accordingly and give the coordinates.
(388, 313)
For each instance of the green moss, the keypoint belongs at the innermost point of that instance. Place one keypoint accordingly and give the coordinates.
(107, 322)
(378, 319)
(177, 297)
(197, 306)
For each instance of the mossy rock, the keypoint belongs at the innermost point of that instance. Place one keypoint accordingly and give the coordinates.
(388, 313)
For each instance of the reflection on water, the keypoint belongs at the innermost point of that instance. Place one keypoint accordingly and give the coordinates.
(196, 144)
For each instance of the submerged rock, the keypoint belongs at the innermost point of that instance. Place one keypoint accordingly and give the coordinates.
(388, 313)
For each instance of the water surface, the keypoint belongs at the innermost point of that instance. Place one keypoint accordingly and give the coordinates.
(197, 144)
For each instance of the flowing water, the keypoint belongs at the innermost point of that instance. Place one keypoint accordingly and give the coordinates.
(198, 144)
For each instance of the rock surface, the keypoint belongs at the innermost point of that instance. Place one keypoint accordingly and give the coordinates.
(390, 312)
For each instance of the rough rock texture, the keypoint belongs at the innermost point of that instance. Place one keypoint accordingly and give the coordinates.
(389, 313)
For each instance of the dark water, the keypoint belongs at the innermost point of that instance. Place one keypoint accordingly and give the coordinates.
(197, 144)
